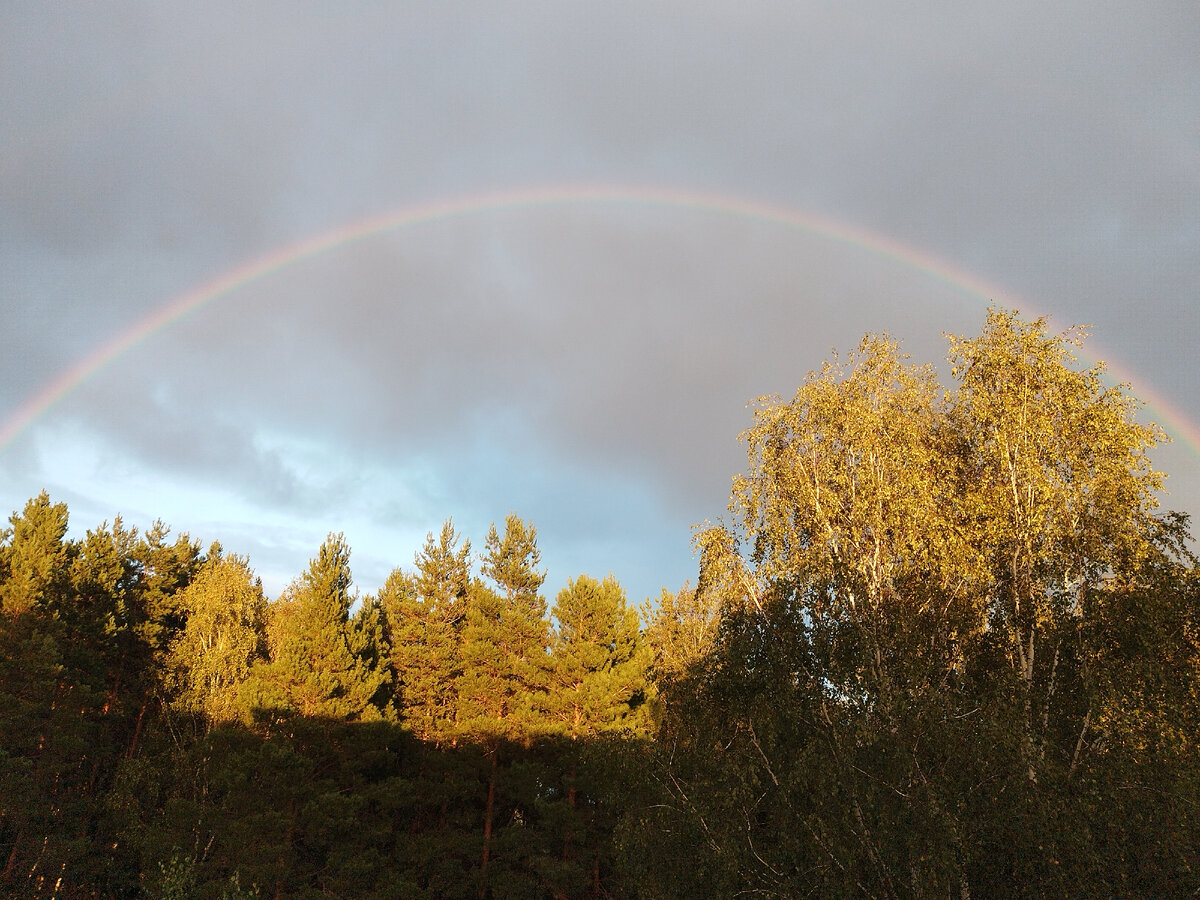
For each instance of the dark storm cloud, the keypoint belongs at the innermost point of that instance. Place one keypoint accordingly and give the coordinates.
(584, 328)
(520, 358)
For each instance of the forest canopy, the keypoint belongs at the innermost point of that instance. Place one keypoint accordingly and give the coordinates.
(945, 644)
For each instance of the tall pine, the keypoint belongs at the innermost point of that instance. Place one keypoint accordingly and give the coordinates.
(504, 659)
(425, 614)
(505, 640)
(598, 671)
(324, 663)
(34, 556)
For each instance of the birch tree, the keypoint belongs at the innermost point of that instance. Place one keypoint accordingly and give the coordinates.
(1058, 492)
(223, 638)
(911, 682)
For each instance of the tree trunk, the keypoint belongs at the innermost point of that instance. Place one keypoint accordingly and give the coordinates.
(566, 851)
(137, 729)
(487, 825)
(12, 857)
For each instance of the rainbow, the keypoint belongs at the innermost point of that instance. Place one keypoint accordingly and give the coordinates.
(1173, 421)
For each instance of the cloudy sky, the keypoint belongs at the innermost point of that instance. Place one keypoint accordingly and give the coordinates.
(461, 259)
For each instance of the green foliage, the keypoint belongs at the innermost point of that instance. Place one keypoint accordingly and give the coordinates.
(511, 562)
(598, 675)
(166, 570)
(424, 615)
(504, 641)
(846, 482)
(34, 557)
(323, 662)
(181, 877)
(75, 675)
(224, 637)
(924, 679)
(681, 629)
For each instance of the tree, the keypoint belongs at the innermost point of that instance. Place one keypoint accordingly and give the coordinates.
(105, 613)
(680, 630)
(505, 639)
(848, 507)
(34, 556)
(598, 692)
(903, 690)
(224, 637)
(598, 663)
(424, 613)
(323, 662)
(1137, 755)
(73, 667)
(504, 643)
(1057, 489)
(40, 742)
(167, 568)
(841, 630)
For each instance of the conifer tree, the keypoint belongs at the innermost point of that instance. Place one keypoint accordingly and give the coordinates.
(167, 567)
(323, 663)
(598, 691)
(366, 639)
(505, 639)
(34, 556)
(598, 665)
(73, 669)
(504, 657)
(424, 615)
(42, 737)
(106, 613)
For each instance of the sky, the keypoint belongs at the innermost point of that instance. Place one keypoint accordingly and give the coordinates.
(273, 270)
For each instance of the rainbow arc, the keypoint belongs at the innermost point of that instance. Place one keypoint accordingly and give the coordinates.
(1170, 418)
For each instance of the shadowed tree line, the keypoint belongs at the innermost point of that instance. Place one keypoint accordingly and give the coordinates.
(944, 647)
(168, 732)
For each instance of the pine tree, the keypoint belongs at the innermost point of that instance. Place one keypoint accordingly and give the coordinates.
(598, 691)
(424, 615)
(505, 639)
(106, 613)
(167, 567)
(502, 685)
(45, 723)
(73, 669)
(323, 664)
(34, 556)
(598, 664)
